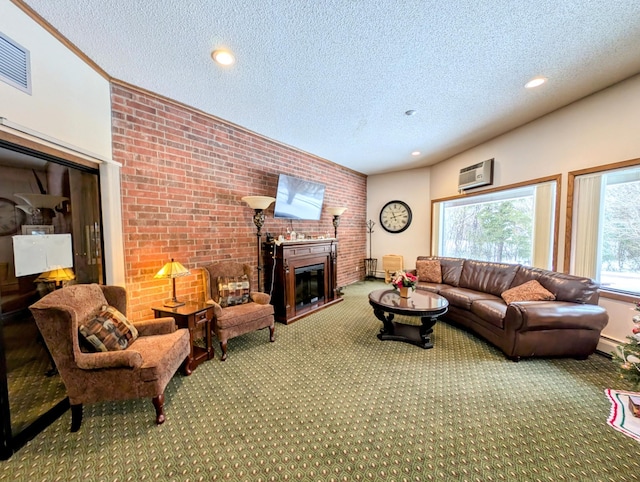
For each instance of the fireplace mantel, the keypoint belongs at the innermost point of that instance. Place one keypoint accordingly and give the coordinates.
(295, 255)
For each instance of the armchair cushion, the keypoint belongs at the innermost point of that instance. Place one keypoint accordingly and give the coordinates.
(232, 290)
(108, 330)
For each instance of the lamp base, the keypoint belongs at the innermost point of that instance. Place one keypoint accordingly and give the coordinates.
(174, 304)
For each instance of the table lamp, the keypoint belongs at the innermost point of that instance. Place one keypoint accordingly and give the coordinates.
(173, 270)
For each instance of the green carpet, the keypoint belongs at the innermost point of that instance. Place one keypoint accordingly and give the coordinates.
(328, 401)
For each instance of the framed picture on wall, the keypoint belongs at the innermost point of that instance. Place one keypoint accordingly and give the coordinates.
(28, 229)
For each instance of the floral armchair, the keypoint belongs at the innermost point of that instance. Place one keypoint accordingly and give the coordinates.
(237, 309)
(142, 369)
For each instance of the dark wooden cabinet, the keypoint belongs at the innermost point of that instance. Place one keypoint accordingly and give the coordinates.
(301, 276)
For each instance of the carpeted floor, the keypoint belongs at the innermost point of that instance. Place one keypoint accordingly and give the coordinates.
(329, 401)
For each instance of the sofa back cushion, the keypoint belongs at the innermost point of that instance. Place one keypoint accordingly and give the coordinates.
(494, 278)
(565, 287)
(451, 268)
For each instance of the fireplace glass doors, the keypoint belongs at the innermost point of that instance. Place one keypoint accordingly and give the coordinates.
(309, 285)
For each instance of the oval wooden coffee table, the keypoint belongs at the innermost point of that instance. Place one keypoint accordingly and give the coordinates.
(428, 306)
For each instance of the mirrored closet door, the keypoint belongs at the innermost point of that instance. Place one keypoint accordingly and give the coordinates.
(39, 196)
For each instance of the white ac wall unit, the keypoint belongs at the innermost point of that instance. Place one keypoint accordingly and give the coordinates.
(480, 174)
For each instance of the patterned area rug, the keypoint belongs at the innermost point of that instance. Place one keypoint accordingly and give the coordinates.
(328, 401)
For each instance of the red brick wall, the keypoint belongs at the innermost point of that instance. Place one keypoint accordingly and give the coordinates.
(183, 176)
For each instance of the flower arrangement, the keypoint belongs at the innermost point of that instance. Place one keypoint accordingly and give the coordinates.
(403, 279)
(628, 355)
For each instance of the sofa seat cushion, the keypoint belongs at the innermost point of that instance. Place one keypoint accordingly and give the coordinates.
(161, 351)
(432, 287)
(240, 314)
(463, 297)
(492, 311)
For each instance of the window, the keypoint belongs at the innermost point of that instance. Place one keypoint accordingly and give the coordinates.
(605, 227)
(511, 225)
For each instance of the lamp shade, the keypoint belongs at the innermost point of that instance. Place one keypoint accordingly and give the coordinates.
(258, 202)
(58, 274)
(172, 270)
(46, 201)
(336, 211)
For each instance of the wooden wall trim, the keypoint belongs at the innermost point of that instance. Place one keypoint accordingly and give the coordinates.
(46, 149)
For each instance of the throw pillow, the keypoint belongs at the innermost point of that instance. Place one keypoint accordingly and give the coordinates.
(429, 270)
(109, 330)
(529, 291)
(233, 290)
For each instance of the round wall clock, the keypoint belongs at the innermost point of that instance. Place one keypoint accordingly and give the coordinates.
(10, 218)
(395, 216)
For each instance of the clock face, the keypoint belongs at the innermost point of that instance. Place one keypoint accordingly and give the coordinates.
(395, 216)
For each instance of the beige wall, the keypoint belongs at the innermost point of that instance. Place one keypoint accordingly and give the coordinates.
(412, 187)
(69, 100)
(600, 129)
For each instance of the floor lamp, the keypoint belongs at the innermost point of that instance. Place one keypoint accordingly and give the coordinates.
(259, 204)
(336, 213)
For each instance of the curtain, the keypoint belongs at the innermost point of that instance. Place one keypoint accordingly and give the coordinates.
(435, 229)
(543, 222)
(586, 225)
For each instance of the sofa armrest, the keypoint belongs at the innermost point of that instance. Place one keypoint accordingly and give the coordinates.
(156, 326)
(548, 315)
(260, 298)
(109, 359)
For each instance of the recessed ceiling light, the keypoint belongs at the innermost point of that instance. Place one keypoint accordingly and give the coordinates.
(410, 112)
(223, 57)
(535, 82)
(416, 153)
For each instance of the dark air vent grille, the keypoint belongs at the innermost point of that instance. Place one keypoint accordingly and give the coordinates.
(14, 64)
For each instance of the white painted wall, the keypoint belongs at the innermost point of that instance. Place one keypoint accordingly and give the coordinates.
(600, 129)
(69, 100)
(69, 105)
(412, 187)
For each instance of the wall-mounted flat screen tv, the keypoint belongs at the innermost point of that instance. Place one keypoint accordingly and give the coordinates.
(298, 199)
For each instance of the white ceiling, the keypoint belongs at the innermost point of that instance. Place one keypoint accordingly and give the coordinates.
(335, 77)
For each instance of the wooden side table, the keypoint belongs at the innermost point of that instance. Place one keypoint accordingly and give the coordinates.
(196, 317)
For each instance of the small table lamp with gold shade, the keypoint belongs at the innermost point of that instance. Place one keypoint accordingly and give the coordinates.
(173, 270)
(58, 276)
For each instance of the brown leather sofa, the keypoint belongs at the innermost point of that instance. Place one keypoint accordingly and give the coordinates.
(568, 326)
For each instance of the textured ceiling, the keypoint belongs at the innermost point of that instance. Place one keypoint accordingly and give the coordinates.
(334, 77)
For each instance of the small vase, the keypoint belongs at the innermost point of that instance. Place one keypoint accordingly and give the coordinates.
(404, 291)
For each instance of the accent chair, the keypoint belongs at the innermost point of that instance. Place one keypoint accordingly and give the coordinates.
(237, 309)
(142, 369)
